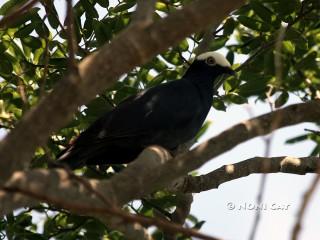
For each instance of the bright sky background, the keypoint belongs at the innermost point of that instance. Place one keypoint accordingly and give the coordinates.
(281, 189)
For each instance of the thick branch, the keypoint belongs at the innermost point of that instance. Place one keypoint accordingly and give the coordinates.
(82, 196)
(145, 175)
(262, 125)
(58, 184)
(144, 12)
(242, 169)
(134, 46)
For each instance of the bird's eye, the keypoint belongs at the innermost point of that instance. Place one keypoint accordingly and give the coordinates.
(211, 61)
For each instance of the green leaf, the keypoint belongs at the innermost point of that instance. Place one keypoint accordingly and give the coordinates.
(288, 47)
(53, 17)
(263, 12)
(268, 62)
(297, 38)
(123, 7)
(24, 220)
(32, 42)
(58, 62)
(5, 66)
(236, 98)
(229, 26)
(308, 62)
(87, 27)
(23, 18)
(9, 5)
(253, 88)
(89, 9)
(218, 104)
(244, 10)
(230, 57)
(102, 31)
(218, 43)
(231, 83)
(315, 151)
(160, 6)
(3, 48)
(254, 24)
(298, 139)
(96, 108)
(103, 3)
(286, 7)
(203, 129)
(282, 99)
(173, 57)
(184, 46)
(25, 31)
(199, 224)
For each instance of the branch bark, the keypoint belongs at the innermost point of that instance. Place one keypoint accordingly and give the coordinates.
(62, 191)
(245, 168)
(262, 125)
(134, 46)
(144, 12)
(145, 174)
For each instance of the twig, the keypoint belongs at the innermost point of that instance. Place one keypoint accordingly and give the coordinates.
(267, 141)
(227, 173)
(277, 54)
(46, 67)
(182, 211)
(312, 131)
(306, 199)
(70, 36)
(22, 92)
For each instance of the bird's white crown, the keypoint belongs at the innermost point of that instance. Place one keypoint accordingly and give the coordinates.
(220, 59)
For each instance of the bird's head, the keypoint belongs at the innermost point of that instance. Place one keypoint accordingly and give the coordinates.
(215, 63)
(209, 67)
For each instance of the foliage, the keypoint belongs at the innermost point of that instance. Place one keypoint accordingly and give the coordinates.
(34, 53)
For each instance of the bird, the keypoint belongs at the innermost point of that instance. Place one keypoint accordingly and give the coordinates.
(167, 115)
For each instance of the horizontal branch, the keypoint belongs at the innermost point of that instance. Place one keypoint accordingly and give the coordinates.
(145, 174)
(227, 140)
(227, 173)
(59, 188)
(134, 46)
(58, 184)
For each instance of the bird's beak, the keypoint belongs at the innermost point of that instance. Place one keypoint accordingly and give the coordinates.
(230, 71)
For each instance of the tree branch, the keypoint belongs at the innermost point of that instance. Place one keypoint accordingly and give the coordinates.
(16, 13)
(245, 168)
(144, 13)
(100, 70)
(259, 126)
(302, 210)
(154, 163)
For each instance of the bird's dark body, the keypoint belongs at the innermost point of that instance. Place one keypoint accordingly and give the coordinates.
(166, 115)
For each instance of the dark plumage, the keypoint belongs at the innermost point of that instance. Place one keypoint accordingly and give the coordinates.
(166, 115)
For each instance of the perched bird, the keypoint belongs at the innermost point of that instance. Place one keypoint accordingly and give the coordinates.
(168, 115)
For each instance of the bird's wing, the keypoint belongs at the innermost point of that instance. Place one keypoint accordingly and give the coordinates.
(150, 118)
(162, 108)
